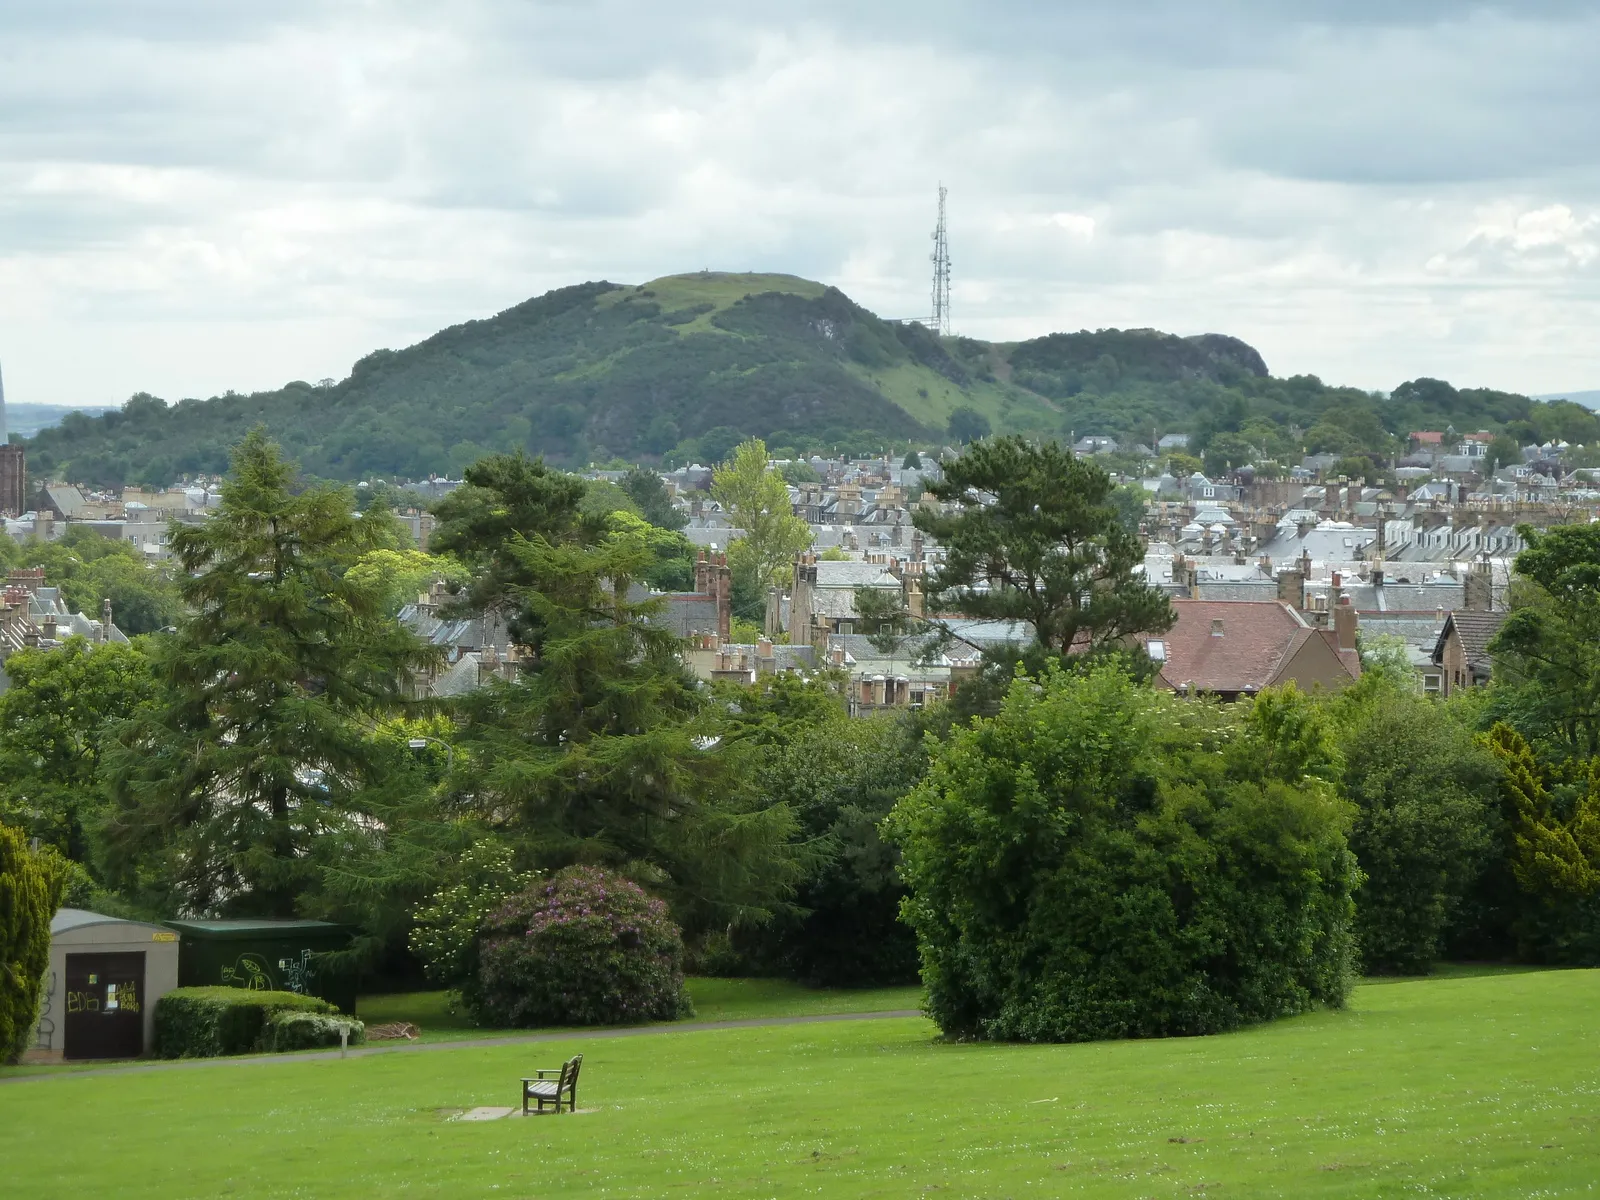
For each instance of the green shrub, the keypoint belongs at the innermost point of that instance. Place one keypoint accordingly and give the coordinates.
(31, 886)
(1100, 860)
(1425, 830)
(204, 1022)
(585, 947)
(293, 1029)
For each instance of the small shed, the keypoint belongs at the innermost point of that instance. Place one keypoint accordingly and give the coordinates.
(105, 976)
(266, 955)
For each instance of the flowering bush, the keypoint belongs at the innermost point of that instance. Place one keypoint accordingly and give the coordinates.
(584, 947)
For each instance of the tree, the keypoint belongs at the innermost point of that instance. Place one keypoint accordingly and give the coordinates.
(912, 460)
(967, 424)
(1036, 538)
(841, 776)
(90, 568)
(506, 499)
(1087, 865)
(1547, 653)
(1228, 452)
(259, 740)
(32, 884)
(598, 752)
(650, 494)
(1550, 854)
(757, 502)
(54, 718)
(1503, 452)
(400, 576)
(1425, 829)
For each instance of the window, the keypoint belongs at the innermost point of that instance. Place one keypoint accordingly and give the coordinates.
(1156, 649)
(1432, 683)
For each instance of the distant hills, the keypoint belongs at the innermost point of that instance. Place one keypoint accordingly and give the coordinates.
(684, 366)
(1589, 399)
(28, 419)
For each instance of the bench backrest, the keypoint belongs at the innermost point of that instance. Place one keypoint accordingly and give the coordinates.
(569, 1073)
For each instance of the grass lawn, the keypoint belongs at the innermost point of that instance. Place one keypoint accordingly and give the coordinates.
(1467, 1085)
(714, 1000)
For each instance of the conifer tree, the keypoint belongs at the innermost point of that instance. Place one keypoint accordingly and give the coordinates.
(260, 739)
(1550, 856)
(1034, 537)
(597, 753)
(31, 887)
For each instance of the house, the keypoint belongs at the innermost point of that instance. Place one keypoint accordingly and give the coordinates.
(1462, 652)
(1234, 648)
(716, 661)
(822, 597)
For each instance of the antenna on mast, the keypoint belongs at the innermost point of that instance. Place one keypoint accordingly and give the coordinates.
(940, 321)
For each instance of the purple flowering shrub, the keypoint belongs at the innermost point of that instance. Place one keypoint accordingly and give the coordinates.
(583, 947)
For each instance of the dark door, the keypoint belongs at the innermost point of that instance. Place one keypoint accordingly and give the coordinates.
(105, 1006)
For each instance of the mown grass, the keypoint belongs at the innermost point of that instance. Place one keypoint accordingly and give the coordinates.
(714, 1000)
(1482, 1085)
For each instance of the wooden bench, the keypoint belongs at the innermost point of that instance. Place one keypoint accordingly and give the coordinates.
(550, 1091)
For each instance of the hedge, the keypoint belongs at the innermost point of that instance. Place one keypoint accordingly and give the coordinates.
(291, 1029)
(203, 1022)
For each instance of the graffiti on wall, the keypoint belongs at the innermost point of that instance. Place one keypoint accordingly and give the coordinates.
(44, 1037)
(253, 971)
(250, 971)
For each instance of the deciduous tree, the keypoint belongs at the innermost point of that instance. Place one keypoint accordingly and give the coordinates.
(757, 502)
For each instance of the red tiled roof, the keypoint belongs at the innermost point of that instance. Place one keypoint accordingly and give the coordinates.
(1428, 438)
(1257, 639)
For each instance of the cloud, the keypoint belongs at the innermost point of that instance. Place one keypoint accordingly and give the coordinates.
(196, 196)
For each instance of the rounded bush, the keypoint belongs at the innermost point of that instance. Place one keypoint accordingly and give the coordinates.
(585, 947)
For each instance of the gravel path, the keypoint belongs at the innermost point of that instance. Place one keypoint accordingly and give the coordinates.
(520, 1039)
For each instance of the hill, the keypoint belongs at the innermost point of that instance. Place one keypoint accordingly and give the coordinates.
(684, 366)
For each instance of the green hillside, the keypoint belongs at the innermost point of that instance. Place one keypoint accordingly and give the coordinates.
(583, 373)
(682, 367)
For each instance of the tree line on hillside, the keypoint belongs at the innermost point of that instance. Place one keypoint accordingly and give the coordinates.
(601, 373)
(1061, 851)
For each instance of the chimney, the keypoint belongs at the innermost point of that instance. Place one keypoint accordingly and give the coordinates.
(914, 601)
(724, 592)
(1478, 591)
(105, 619)
(1344, 624)
(1336, 591)
(1292, 587)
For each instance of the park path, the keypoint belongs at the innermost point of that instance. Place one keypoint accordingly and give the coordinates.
(518, 1039)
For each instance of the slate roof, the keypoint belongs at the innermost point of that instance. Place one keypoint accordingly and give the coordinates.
(687, 613)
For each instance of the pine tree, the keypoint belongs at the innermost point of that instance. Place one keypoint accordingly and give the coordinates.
(31, 887)
(1035, 537)
(260, 740)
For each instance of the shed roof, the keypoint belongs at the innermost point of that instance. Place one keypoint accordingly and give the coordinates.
(256, 926)
(79, 918)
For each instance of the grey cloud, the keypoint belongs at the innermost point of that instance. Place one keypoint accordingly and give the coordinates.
(1332, 180)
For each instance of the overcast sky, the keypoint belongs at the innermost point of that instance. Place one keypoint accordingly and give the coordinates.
(198, 195)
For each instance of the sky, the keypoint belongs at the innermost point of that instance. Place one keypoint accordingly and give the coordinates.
(199, 195)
